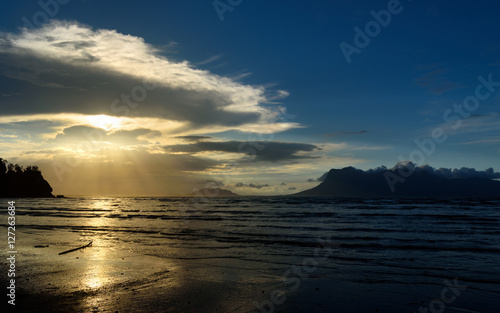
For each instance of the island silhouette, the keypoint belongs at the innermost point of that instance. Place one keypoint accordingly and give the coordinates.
(213, 192)
(19, 182)
(404, 180)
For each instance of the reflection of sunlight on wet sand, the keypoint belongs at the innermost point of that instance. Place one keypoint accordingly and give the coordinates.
(111, 265)
(96, 274)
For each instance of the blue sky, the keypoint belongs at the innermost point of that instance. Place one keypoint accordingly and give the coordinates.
(366, 113)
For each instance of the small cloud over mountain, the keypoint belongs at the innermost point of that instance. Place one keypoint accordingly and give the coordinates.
(251, 185)
(463, 172)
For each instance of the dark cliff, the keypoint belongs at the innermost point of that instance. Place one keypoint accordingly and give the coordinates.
(19, 182)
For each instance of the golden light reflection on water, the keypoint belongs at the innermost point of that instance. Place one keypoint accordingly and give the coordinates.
(112, 263)
(98, 270)
(95, 275)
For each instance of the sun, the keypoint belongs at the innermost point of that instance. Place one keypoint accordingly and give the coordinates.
(104, 121)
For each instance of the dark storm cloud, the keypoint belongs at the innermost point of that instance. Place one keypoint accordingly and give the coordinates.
(272, 151)
(194, 138)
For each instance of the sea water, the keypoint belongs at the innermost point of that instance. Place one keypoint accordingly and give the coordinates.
(422, 245)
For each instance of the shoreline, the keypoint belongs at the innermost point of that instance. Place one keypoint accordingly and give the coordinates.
(151, 264)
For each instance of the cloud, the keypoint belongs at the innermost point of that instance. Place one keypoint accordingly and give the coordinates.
(436, 81)
(475, 129)
(372, 148)
(194, 138)
(271, 151)
(473, 124)
(72, 68)
(210, 59)
(34, 128)
(251, 185)
(43, 152)
(408, 166)
(94, 135)
(481, 141)
(379, 169)
(321, 178)
(343, 133)
(463, 172)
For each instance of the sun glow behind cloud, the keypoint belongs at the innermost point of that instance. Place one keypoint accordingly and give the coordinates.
(177, 90)
(104, 121)
(110, 114)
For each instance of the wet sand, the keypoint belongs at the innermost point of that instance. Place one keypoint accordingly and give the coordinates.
(104, 278)
(126, 278)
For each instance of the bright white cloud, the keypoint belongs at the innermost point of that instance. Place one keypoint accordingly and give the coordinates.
(94, 63)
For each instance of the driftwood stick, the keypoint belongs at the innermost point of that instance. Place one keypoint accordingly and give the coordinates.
(75, 249)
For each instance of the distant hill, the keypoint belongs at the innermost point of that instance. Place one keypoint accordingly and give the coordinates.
(215, 192)
(19, 182)
(352, 182)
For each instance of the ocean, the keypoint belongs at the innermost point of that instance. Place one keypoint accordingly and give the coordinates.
(281, 254)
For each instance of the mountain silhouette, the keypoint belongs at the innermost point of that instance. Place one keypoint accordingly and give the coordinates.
(19, 182)
(215, 192)
(352, 182)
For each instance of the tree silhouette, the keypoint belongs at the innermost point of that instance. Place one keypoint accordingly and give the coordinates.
(17, 182)
(3, 166)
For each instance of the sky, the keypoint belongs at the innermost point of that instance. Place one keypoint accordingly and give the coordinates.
(259, 97)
